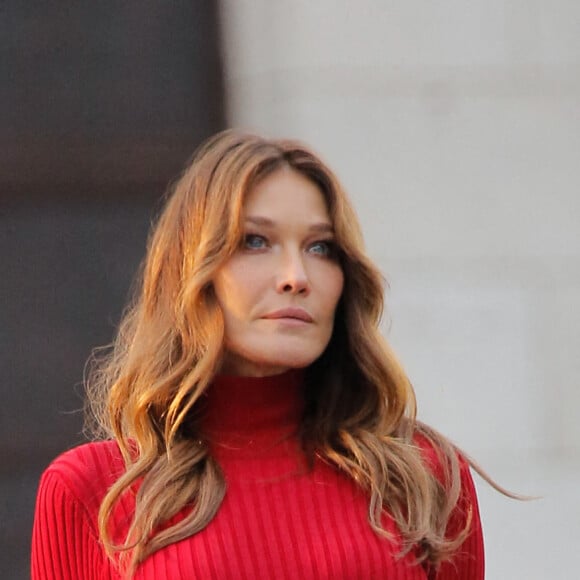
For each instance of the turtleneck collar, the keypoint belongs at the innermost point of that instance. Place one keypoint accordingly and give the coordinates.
(248, 416)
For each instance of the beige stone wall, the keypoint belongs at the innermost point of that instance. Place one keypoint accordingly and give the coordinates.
(456, 128)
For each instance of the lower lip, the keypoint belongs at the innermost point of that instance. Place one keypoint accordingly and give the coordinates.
(290, 321)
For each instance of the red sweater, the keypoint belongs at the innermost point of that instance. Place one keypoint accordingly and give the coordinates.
(278, 519)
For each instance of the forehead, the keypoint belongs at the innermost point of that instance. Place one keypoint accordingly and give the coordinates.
(286, 194)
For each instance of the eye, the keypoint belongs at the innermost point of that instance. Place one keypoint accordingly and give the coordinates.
(254, 242)
(325, 248)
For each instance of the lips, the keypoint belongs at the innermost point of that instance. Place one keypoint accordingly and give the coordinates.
(295, 313)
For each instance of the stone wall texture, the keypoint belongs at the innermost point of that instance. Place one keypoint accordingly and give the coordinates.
(455, 127)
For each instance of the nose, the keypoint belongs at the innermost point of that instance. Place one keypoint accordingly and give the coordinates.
(292, 276)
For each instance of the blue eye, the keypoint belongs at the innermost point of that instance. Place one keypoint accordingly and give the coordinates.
(254, 242)
(324, 248)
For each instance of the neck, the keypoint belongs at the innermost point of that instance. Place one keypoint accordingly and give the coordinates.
(247, 416)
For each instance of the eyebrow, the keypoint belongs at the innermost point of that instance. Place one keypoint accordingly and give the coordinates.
(322, 227)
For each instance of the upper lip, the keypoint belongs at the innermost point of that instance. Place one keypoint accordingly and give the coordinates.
(298, 313)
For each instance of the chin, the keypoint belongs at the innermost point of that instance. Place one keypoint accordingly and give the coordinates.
(292, 364)
(274, 354)
(297, 359)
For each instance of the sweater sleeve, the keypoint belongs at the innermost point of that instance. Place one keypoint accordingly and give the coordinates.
(468, 562)
(64, 545)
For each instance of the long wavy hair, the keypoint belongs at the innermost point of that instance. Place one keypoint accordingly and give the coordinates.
(145, 391)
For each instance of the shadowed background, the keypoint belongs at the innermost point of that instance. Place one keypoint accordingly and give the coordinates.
(101, 105)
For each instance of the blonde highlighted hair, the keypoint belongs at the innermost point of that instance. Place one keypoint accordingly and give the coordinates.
(145, 391)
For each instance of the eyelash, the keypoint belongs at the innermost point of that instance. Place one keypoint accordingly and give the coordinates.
(331, 249)
(248, 237)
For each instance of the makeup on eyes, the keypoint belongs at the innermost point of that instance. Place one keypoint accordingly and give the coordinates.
(255, 241)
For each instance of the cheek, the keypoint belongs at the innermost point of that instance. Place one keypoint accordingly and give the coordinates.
(330, 284)
(335, 287)
(237, 292)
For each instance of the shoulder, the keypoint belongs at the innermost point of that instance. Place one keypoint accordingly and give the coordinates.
(65, 537)
(452, 469)
(83, 464)
(439, 454)
(86, 471)
(449, 466)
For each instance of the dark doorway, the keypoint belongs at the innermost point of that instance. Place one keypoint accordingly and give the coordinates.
(101, 105)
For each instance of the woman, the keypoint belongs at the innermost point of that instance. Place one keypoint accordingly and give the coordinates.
(255, 423)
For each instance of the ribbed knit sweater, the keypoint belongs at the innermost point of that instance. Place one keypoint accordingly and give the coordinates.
(279, 519)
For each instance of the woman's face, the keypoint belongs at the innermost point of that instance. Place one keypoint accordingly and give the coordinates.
(279, 291)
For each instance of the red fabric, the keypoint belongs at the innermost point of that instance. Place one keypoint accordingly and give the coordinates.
(278, 519)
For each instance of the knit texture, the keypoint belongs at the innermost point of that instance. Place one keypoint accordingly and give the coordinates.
(279, 519)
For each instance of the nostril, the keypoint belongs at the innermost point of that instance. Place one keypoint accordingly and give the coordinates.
(292, 285)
